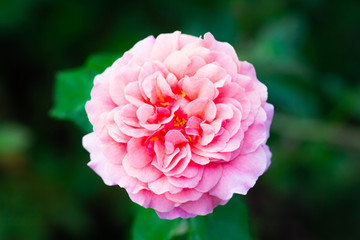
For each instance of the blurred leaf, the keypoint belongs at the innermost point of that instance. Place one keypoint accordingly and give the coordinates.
(15, 12)
(72, 90)
(13, 138)
(148, 225)
(227, 222)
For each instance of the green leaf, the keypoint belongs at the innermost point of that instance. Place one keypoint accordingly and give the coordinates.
(148, 225)
(226, 222)
(72, 90)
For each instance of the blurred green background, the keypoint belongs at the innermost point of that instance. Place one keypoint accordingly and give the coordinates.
(306, 52)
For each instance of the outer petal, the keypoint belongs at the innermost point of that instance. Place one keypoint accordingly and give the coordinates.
(240, 174)
(175, 213)
(148, 199)
(164, 45)
(202, 206)
(112, 174)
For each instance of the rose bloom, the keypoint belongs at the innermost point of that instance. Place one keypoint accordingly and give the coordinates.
(180, 123)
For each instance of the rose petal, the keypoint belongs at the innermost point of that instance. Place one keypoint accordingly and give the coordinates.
(201, 107)
(164, 45)
(240, 174)
(177, 63)
(175, 213)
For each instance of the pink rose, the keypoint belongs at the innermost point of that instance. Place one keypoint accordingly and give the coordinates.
(180, 123)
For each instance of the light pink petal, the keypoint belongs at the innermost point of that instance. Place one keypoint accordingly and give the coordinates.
(164, 45)
(208, 134)
(191, 171)
(114, 151)
(201, 107)
(269, 109)
(177, 63)
(240, 174)
(233, 125)
(163, 160)
(110, 128)
(193, 126)
(224, 111)
(149, 72)
(196, 62)
(144, 113)
(196, 49)
(148, 199)
(268, 155)
(255, 134)
(164, 87)
(112, 174)
(211, 176)
(223, 47)
(218, 144)
(98, 161)
(127, 115)
(172, 81)
(157, 89)
(134, 132)
(184, 182)
(247, 69)
(162, 185)
(234, 142)
(120, 81)
(198, 88)
(199, 159)
(202, 206)
(225, 61)
(175, 213)
(180, 162)
(186, 39)
(230, 90)
(213, 72)
(100, 99)
(115, 133)
(225, 156)
(143, 48)
(146, 174)
(171, 160)
(172, 139)
(184, 196)
(138, 155)
(133, 94)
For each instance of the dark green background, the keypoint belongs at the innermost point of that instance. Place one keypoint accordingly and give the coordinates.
(306, 52)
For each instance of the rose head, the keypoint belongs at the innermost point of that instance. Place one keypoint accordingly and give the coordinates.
(180, 123)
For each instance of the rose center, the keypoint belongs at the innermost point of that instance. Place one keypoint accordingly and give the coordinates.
(179, 121)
